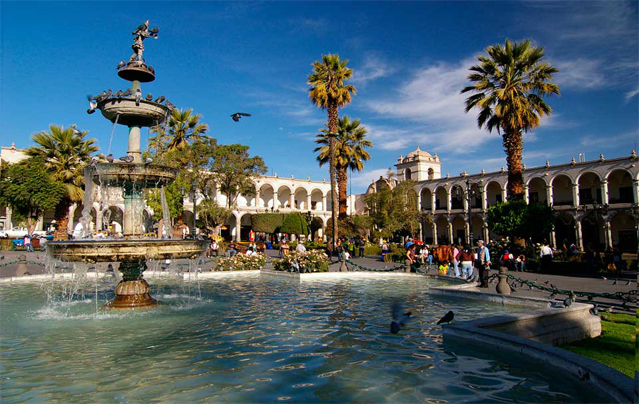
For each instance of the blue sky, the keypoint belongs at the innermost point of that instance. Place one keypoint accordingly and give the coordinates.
(410, 60)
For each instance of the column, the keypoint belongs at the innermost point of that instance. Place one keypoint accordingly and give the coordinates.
(276, 201)
(486, 233)
(419, 200)
(467, 228)
(449, 201)
(553, 239)
(466, 204)
(503, 194)
(292, 200)
(635, 191)
(549, 199)
(257, 199)
(607, 233)
(71, 225)
(450, 232)
(526, 194)
(484, 200)
(575, 195)
(605, 198)
(308, 201)
(421, 232)
(432, 203)
(434, 231)
(98, 219)
(238, 227)
(324, 207)
(578, 234)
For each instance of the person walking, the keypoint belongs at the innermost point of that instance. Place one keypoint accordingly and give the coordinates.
(546, 256)
(361, 245)
(483, 263)
(455, 252)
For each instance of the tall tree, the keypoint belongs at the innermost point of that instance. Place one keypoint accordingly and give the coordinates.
(350, 153)
(65, 152)
(395, 209)
(234, 171)
(509, 85)
(328, 91)
(28, 189)
(183, 127)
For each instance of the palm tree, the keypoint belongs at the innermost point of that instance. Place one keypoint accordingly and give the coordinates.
(183, 127)
(65, 152)
(349, 153)
(509, 85)
(329, 92)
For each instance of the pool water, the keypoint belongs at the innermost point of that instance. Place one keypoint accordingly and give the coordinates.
(256, 338)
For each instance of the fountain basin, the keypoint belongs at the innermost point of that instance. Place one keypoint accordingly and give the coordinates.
(129, 173)
(125, 250)
(148, 113)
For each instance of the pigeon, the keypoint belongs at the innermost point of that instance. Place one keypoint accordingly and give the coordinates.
(110, 268)
(74, 129)
(118, 94)
(94, 160)
(399, 317)
(594, 310)
(1, 257)
(148, 160)
(121, 65)
(109, 158)
(127, 93)
(103, 95)
(236, 116)
(154, 32)
(160, 99)
(567, 302)
(149, 97)
(615, 282)
(138, 96)
(141, 28)
(604, 278)
(92, 106)
(168, 104)
(151, 69)
(126, 159)
(629, 282)
(546, 283)
(448, 317)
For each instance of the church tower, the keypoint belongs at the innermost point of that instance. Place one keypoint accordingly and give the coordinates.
(418, 166)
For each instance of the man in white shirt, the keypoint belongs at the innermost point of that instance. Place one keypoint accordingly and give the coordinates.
(300, 247)
(546, 256)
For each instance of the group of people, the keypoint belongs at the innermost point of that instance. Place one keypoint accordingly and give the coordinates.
(285, 248)
(452, 260)
(347, 248)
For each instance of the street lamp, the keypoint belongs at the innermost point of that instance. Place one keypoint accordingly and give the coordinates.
(470, 195)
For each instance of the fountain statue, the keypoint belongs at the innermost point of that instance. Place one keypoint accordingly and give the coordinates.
(133, 176)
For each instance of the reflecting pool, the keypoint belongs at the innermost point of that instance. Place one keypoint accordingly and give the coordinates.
(256, 338)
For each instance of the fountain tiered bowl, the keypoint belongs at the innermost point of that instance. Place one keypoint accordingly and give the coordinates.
(131, 113)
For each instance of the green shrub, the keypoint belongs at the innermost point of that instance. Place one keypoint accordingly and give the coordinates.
(294, 223)
(267, 222)
(306, 261)
(241, 262)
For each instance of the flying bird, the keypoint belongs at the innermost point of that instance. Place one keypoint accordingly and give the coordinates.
(109, 158)
(448, 317)
(154, 32)
(236, 116)
(160, 99)
(399, 317)
(138, 96)
(126, 159)
(121, 65)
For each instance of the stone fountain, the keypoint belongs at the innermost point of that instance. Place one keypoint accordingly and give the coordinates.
(133, 176)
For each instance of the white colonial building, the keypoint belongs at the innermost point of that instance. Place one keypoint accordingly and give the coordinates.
(596, 201)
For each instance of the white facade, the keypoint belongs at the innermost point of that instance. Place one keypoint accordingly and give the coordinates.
(597, 201)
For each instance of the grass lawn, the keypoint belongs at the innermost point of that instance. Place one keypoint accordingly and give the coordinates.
(615, 347)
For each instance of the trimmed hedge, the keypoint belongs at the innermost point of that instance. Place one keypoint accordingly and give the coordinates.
(267, 222)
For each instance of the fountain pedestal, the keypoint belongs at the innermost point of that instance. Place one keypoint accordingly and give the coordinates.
(133, 291)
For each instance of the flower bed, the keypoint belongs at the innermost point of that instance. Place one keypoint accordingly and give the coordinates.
(306, 261)
(241, 262)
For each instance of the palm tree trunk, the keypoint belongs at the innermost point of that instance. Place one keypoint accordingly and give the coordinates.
(332, 128)
(342, 177)
(514, 146)
(62, 220)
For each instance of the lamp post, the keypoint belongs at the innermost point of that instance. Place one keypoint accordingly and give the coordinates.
(470, 194)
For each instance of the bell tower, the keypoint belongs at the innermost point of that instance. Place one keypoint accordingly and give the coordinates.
(418, 166)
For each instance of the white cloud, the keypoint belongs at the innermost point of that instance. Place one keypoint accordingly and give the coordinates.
(631, 94)
(364, 178)
(579, 73)
(431, 97)
(373, 68)
(591, 141)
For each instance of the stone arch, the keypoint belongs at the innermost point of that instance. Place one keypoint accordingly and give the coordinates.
(301, 199)
(589, 187)
(561, 190)
(284, 196)
(620, 186)
(457, 196)
(114, 214)
(493, 193)
(565, 229)
(623, 228)
(426, 197)
(266, 196)
(459, 230)
(316, 199)
(442, 230)
(441, 198)
(537, 190)
(477, 227)
(329, 201)
(408, 174)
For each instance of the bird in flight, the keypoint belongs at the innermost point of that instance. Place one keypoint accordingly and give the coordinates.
(236, 116)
